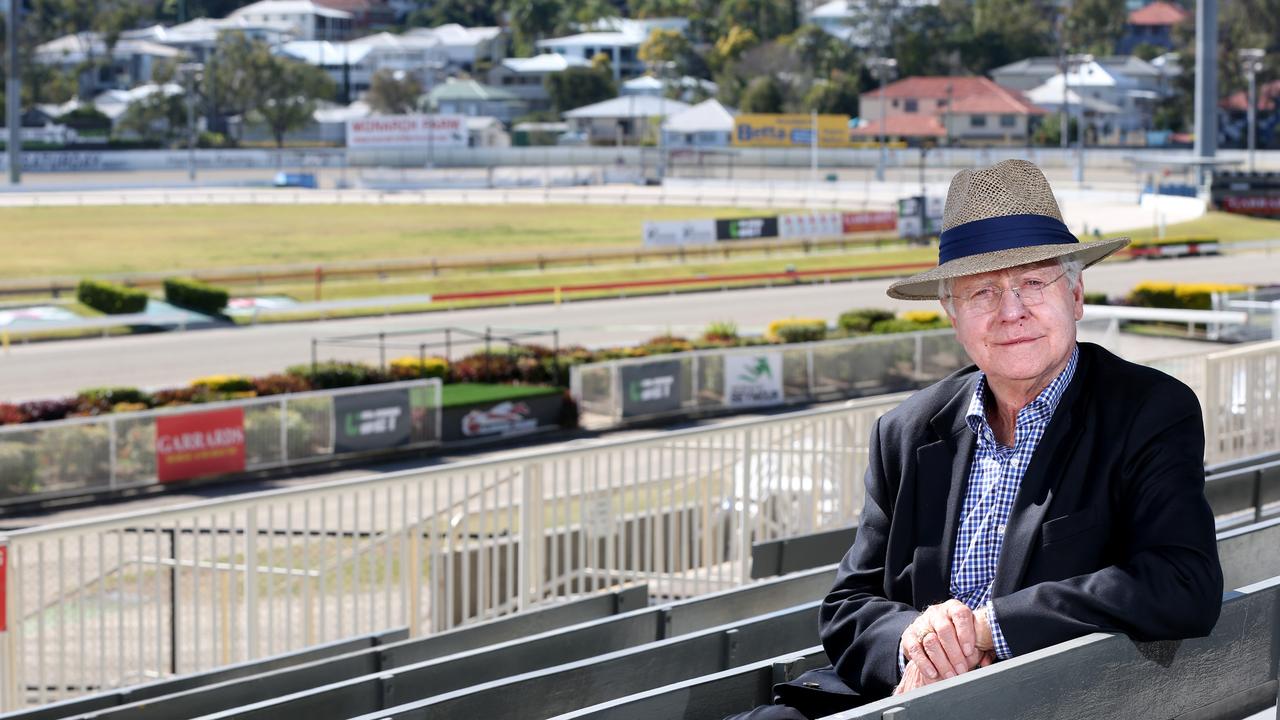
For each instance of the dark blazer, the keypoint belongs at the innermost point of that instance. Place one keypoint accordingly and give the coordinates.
(1110, 530)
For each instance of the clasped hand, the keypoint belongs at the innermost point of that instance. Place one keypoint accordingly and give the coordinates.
(946, 640)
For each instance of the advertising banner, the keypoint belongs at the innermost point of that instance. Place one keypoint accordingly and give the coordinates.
(790, 130)
(193, 445)
(442, 131)
(679, 232)
(651, 388)
(753, 379)
(371, 421)
(811, 225)
(869, 221)
(909, 223)
(502, 419)
(747, 228)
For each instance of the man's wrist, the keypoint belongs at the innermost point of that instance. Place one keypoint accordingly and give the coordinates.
(982, 629)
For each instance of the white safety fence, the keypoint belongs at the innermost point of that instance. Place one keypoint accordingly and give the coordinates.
(117, 601)
(118, 451)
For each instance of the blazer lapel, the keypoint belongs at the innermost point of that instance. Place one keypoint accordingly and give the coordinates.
(1042, 477)
(942, 473)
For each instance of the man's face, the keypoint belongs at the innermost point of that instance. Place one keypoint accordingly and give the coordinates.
(1008, 338)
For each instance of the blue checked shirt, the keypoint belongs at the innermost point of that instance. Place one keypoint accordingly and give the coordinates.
(994, 479)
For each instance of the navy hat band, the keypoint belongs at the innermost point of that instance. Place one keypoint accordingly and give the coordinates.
(1001, 233)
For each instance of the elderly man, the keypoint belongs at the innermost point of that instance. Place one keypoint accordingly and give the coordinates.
(1051, 491)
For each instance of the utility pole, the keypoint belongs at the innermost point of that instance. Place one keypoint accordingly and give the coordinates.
(1251, 64)
(191, 74)
(13, 93)
(1078, 62)
(882, 66)
(1206, 102)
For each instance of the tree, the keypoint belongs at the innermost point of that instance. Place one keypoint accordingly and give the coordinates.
(160, 117)
(763, 95)
(287, 99)
(665, 46)
(731, 45)
(532, 20)
(1005, 31)
(1094, 26)
(469, 13)
(393, 93)
(838, 96)
(579, 86)
(767, 18)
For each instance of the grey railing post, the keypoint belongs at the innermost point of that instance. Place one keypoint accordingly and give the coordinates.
(112, 449)
(251, 583)
(284, 430)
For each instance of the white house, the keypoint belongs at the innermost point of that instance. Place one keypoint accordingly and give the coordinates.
(114, 103)
(631, 119)
(466, 48)
(306, 19)
(618, 38)
(344, 63)
(526, 77)
(197, 38)
(421, 56)
(705, 125)
(473, 99)
(856, 23)
(129, 63)
(1094, 81)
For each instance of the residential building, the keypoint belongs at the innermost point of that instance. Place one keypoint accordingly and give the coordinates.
(1134, 97)
(350, 66)
(915, 129)
(487, 132)
(970, 110)
(422, 56)
(705, 125)
(130, 62)
(365, 13)
(198, 38)
(467, 49)
(1233, 125)
(1152, 24)
(306, 19)
(629, 120)
(1029, 73)
(471, 98)
(617, 38)
(526, 77)
(857, 22)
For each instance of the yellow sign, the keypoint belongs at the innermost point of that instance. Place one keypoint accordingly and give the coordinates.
(790, 131)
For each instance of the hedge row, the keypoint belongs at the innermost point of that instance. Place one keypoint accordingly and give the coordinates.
(195, 295)
(111, 298)
(1181, 296)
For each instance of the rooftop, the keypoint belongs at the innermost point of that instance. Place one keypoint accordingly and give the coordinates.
(290, 7)
(457, 90)
(964, 94)
(631, 106)
(706, 116)
(902, 125)
(544, 63)
(1159, 13)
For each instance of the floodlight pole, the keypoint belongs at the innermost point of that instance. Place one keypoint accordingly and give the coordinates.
(1078, 61)
(1251, 64)
(1206, 79)
(882, 66)
(190, 72)
(13, 94)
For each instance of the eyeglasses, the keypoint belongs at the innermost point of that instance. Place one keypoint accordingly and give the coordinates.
(987, 299)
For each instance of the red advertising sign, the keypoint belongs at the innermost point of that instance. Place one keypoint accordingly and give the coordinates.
(196, 444)
(856, 222)
(1266, 205)
(4, 595)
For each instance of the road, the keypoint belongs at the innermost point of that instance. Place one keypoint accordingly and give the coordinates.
(42, 370)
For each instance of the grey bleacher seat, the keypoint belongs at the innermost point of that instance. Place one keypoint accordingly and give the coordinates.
(1248, 556)
(1230, 674)
(78, 707)
(793, 554)
(198, 693)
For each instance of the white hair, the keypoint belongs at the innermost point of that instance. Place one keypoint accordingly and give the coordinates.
(1072, 267)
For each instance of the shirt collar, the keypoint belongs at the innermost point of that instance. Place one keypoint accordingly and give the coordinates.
(1040, 409)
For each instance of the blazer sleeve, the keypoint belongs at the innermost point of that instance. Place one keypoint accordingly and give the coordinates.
(1167, 583)
(860, 627)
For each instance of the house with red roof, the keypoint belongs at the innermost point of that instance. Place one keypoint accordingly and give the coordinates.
(947, 110)
(1152, 24)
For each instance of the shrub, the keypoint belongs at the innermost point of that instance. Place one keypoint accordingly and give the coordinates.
(175, 396)
(1187, 296)
(93, 401)
(668, 343)
(10, 414)
(411, 367)
(569, 413)
(1154, 294)
(111, 298)
(1095, 298)
(721, 331)
(862, 319)
(223, 384)
(794, 330)
(279, 384)
(922, 317)
(338, 374)
(478, 367)
(47, 410)
(195, 295)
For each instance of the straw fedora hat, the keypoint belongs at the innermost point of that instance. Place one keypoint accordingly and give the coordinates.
(997, 218)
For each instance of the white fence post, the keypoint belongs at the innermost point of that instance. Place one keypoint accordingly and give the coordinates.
(532, 537)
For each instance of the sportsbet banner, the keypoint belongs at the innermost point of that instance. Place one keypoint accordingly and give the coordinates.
(783, 130)
(754, 379)
(651, 388)
(197, 444)
(371, 421)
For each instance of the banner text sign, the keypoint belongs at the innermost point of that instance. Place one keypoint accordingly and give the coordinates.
(194, 445)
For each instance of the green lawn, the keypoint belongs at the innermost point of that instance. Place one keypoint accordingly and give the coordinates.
(455, 394)
(1227, 227)
(79, 241)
